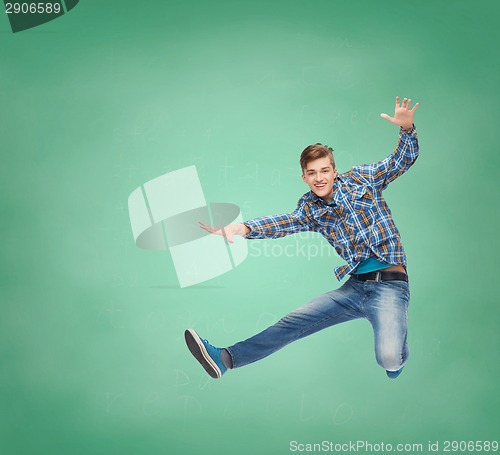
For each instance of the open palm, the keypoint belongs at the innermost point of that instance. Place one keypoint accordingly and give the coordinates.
(403, 115)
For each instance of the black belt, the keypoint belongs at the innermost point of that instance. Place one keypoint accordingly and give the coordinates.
(380, 275)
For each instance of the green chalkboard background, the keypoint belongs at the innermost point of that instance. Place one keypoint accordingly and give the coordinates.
(115, 93)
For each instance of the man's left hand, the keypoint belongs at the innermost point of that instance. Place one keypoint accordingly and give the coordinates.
(403, 115)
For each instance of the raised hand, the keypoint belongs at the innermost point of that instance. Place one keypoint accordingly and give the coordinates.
(403, 115)
(227, 231)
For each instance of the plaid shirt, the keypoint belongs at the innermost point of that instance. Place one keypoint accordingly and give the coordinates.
(358, 223)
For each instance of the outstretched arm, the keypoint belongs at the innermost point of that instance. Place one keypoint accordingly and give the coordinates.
(383, 172)
(268, 227)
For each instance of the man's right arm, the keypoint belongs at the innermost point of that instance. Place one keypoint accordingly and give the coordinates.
(277, 226)
(268, 227)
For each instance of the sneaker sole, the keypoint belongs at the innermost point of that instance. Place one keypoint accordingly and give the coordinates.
(394, 374)
(197, 348)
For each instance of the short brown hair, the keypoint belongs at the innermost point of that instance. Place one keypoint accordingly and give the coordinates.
(313, 152)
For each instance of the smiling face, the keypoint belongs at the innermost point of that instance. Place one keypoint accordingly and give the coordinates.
(319, 175)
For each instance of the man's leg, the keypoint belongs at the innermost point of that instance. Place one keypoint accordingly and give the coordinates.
(326, 310)
(387, 311)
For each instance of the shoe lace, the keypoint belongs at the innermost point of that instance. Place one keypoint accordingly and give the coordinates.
(207, 342)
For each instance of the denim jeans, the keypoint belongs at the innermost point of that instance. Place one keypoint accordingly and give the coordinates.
(383, 303)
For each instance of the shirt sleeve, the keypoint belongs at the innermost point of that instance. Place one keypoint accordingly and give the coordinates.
(276, 226)
(383, 172)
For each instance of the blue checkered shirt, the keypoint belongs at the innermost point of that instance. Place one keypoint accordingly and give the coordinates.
(358, 223)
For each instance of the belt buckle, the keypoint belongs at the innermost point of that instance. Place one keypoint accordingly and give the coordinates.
(378, 275)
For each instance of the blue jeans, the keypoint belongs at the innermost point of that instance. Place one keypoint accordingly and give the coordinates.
(383, 303)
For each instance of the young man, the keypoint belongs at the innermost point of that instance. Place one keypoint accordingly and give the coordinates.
(349, 211)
